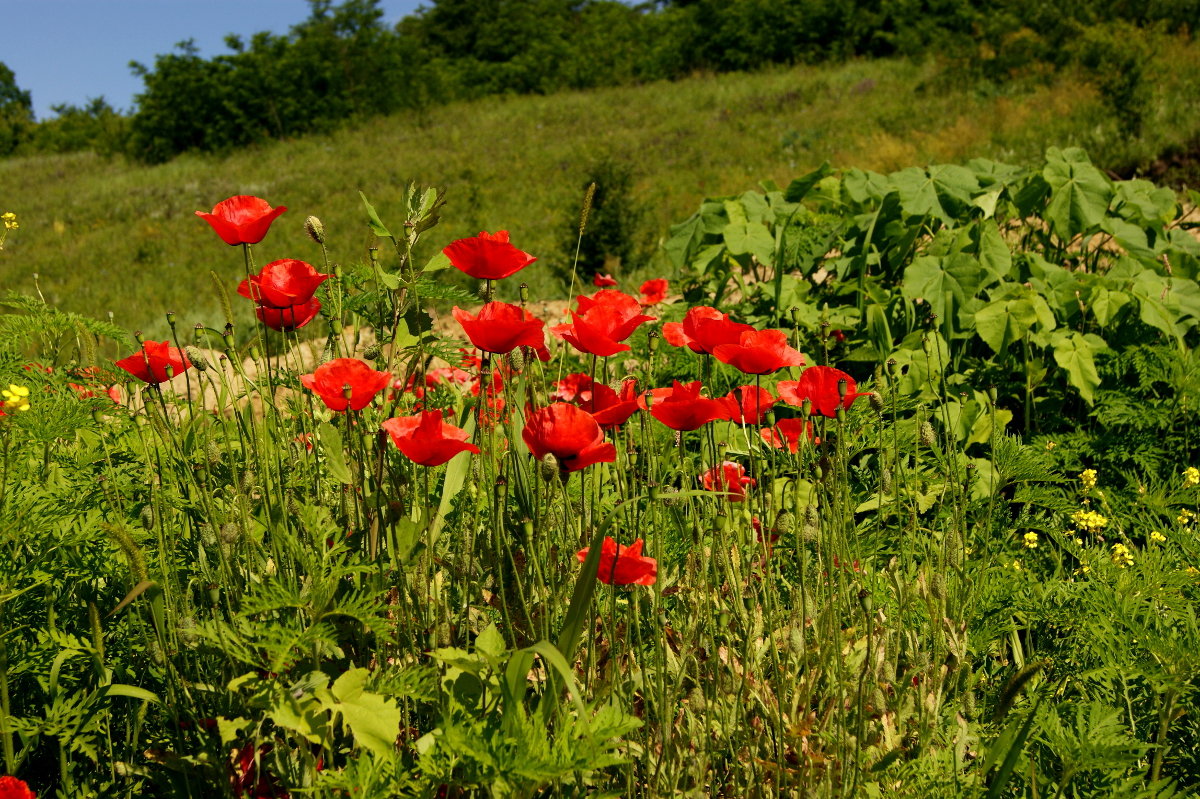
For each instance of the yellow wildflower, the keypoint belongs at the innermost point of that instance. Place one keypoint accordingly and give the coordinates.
(1030, 539)
(1185, 516)
(16, 398)
(1089, 521)
(1121, 555)
(1016, 564)
(10, 220)
(1157, 537)
(1088, 478)
(1191, 477)
(1192, 571)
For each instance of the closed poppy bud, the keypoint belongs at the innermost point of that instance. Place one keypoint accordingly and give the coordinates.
(314, 229)
(242, 219)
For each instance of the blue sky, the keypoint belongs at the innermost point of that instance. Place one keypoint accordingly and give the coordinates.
(67, 51)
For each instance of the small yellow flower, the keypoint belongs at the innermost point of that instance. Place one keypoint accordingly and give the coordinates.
(1016, 564)
(1089, 521)
(1031, 540)
(1192, 571)
(16, 397)
(1088, 478)
(10, 220)
(1078, 542)
(1185, 517)
(1049, 445)
(1157, 537)
(1121, 555)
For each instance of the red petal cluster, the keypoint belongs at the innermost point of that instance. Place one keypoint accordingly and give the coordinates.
(602, 323)
(820, 385)
(654, 291)
(703, 329)
(603, 281)
(488, 256)
(242, 219)
(788, 433)
(730, 479)
(609, 407)
(13, 788)
(759, 352)
(748, 404)
(500, 327)
(330, 380)
(568, 433)
(427, 439)
(283, 293)
(626, 566)
(682, 408)
(151, 364)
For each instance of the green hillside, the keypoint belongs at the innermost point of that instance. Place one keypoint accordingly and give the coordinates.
(110, 236)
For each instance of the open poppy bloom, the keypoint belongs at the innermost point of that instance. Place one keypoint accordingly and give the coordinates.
(730, 479)
(488, 256)
(748, 404)
(759, 352)
(820, 385)
(13, 788)
(427, 439)
(788, 433)
(602, 323)
(330, 382)
(682, 408)
(242, 219)
(283, 283)
(568, 433)
(500, 327)
(703, 329)
(574, 386)
(654, 291)
(153, 363)
(603, 281)
(611, 408)
(290, 318)
(619, 566)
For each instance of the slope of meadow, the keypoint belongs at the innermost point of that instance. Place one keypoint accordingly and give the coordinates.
(109, 236)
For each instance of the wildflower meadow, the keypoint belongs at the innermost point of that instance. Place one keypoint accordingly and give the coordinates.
(886, 485)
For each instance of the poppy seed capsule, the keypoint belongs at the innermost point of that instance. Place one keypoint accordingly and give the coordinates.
(314, 229)
(876, 400)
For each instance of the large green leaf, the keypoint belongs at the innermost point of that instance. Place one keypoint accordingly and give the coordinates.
(1002, 322)
(374, 719)
(930, 278)
(1076, 353)
(1079, 193)
(942, 191)
(751, 238)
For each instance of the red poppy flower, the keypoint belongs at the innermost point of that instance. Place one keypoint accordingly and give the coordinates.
(748, 404)
(654, 291)
(427, 439)
(619, 566)
(603, 281)
(330, 380)
(487, 256)
(820, 385)
(293, 317)
(682, 408)
(602, 323)
(759, 352)
(703, 329)
(574, 386)
(609, 407)
(568, 433)
(787, 433)
(283, 283)
(242, 219)
(151, 364)
(13, 788)
(730, 479)
(500, 327)
(248, 778)
(447, 375)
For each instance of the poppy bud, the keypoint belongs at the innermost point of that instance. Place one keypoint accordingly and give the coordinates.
(147, 517)
(230, 533)
(373, 352)
(885, 481)
(785, 522)
(214, 454)
(926, 435)
(314, 229)
(516, 359)
(549, 466)
(196, 356)
(937, 586)
(876, 400)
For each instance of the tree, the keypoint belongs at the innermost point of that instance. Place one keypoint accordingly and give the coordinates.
(16, 111)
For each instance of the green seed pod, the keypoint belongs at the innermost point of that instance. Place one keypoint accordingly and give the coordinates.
(248, 480)
(549, 466)
(516, 359)
(925, 435)
(885, 481)
(876, 400)
(231, 533)
(214, 453)
(147, 517)
(785, 523)
(314, 229)
(373, 352)
(937, 586)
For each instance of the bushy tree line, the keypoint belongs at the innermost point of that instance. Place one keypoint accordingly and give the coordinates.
(343, 62)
